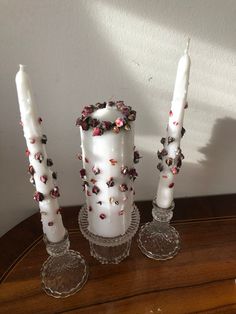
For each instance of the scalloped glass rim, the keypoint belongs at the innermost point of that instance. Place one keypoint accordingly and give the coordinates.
(104, 241)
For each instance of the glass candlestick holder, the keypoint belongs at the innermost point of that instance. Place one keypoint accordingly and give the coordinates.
(65, 271)
(157, 239)
(109, 250)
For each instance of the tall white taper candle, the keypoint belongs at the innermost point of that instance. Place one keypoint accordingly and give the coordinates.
(171, 156)
(39, 168)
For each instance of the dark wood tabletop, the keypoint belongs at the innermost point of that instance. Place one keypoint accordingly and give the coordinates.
(200, 279)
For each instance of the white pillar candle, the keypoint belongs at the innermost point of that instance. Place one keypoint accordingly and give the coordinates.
(171, 156)
(39, 168)
(107, 142)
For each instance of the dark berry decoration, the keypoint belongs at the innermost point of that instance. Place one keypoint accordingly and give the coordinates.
(123, 187)
(95, 189)
(160, 167)
(136, 157)
(86, 160)
(99, 202)
(49, 162)
(170, 140)
(102, 216)
(44, 139)
(171, 113)
(163, 140)
(54, 175)
(94, 122)
(183, 131)
(121, 212)
(55, 192)
(169, 161)
(83, 173)
(40, 120)
(132, 115)
(106, 125)
(95, 170)
(50, 224)
(90, 208)
(110, 183)
(171, 185)
(186, 105)
(38, 197)
(133, 174)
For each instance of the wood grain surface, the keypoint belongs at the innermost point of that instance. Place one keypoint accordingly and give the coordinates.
(200, 279)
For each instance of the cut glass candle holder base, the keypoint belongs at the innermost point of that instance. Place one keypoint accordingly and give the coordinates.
(157, 239)
(109, 250)
(65, 271)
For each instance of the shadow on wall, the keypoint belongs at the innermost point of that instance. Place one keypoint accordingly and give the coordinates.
(208, 177)
(219, 165)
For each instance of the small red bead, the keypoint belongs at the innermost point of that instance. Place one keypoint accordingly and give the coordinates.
(102, 216)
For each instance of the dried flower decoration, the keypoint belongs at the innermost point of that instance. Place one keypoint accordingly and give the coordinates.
(38, 196)
(55, 192)
(95, 170)
(95, 189)
(31, 170)
(110, 183)
(54, 175)
(136, 157)
(49, 162)
(39, 156)
(82, 173)
(44, 139)
(44, 179)
(123, 187)
(102, 216)
(86, 122)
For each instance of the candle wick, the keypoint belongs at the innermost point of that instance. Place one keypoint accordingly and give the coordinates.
(22, 67)
(187, 46)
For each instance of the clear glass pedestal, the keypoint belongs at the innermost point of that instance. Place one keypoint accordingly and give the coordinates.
(109, 250)
(65, 271)
(157, 239)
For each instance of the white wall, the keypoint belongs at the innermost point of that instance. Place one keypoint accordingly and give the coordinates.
(81, 52)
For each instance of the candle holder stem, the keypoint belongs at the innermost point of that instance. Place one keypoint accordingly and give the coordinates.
(65, 271)
(109, 250)
(157, 239)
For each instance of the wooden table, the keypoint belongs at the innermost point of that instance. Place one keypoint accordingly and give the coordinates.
(200, 279)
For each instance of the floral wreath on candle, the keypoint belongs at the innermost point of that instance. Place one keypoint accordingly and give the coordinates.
(99, 127)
